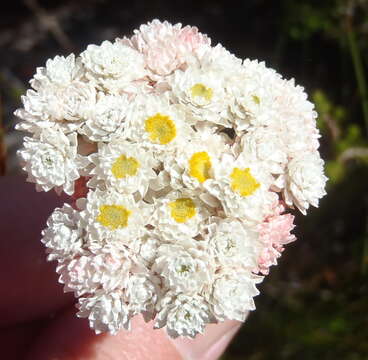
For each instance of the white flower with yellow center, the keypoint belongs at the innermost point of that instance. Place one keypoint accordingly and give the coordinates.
(51, 160)
(113, 218)
(123, 166)
(63, 236)
(232, 294)
(106, 119)
(106, 312)
(113, 66)
(157, 125)
(242, 187)
(179, 214)
(184, 266)
(194, 164)
(183, 315)
(233, 243)
(201, 94)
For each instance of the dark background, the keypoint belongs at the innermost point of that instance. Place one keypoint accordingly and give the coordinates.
(314, 304)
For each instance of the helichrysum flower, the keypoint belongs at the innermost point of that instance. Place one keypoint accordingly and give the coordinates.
(182, 161)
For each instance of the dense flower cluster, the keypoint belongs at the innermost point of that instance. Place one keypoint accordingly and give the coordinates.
(191, 158)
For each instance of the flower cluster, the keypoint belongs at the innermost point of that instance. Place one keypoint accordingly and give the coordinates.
(189, 157)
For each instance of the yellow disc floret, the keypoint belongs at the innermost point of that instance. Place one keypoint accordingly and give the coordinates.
(201, 90)
(182, 209)
(256, 99)
(113, 216)
(124, 166)
(243, 182)
(161, 128)
(199, 166)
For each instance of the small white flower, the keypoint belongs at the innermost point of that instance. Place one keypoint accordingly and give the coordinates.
(192, 166)
(243, 189)
(113, 218)
(167, 47)
(63, 236)
(51, 160)
(184, 266)
(106, 119)
(233, 293)
(157, 125)
(201, 94)
(106, 312)
(113, 65)
(108, 270)
(179, 214)
(124, 166)
(305, 181)
(233, 243)
(184, 315)
(142, 293)
(60, 71)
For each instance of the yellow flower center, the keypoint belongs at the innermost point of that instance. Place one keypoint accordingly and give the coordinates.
(243, 182)
(202, 91)
(113, 216)
(256, 99)
(124, 166)
(182, 209)
(199, 166)
(161, 128)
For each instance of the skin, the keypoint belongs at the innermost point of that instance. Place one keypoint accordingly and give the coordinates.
(38, 320)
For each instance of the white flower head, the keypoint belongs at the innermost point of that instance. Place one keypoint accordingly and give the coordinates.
(184, 315)
(113, 218)
(305, 181)
(167, 47)
(202, 94)
(191, 167)
(60, 71)
(179, 214)
(106, 312)
(233, 243)
(51, 160)
(109, 269)
(243, 189)
(63, 236)
(185, 266)
(106, 119)
(123, 166)
(157, 125)
(233, 293)
(113, 65)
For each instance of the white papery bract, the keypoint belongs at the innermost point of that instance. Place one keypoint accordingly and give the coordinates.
(182, 162)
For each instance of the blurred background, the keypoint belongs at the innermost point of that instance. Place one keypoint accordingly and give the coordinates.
(314, 305)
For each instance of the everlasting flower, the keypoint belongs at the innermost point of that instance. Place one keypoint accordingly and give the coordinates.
(182, 161)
